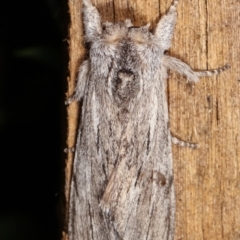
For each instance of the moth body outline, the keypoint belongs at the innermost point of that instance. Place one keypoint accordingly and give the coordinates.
(122, 184)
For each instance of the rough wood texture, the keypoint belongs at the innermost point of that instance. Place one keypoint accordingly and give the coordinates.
(207, 180)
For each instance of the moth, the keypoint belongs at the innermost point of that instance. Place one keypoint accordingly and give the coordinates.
(122, 181)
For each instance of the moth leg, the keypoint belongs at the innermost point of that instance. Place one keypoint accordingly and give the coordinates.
(81, 83)
(67, 150)
(210, 73)
(177, 141)
(177, 65)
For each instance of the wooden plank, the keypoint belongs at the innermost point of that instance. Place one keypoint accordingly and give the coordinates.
(207, 179)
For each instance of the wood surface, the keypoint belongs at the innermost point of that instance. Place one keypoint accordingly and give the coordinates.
(207, 179)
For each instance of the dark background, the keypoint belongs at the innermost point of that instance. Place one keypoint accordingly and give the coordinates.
(33, 69)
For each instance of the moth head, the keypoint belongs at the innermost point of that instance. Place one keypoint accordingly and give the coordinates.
(109, 36)
(114, 32)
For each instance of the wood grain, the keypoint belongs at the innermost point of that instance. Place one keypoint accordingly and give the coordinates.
(207, 179)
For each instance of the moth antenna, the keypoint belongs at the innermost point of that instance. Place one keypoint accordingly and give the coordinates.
(165, 27)
(87, 3)
(173, 6)
(91, 21)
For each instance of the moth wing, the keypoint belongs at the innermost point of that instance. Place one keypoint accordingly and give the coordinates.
(139, 192)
